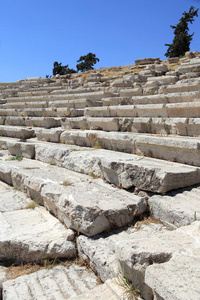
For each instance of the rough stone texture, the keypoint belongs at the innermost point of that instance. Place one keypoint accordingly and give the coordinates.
(32, 235)
(146, 61)
(177, 279)
(57, 283)
(126, 171)
(25, 149)
(136, 253)
(11, 199)
(4, 275)
(105, 208)
(178, 208)
(111, 290)
(16, 132)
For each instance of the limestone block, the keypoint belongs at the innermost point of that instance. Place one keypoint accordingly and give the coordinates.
(151, 110)
(102, 212)
(188, 68)
(57, 283)
(32, 235)
(131, 92)
(49, 135)
(161, 67)
(185, 109)
(12, 199)
(146, 173)
(16, 132)
(116, 101)
(173, 60)
(122, 83)
(25, 149)
(137, 252)
(146, 61)
(164, 79)
(177, 209)
(47, 122)
(176, 279)
(107, 124)
(111, 289)
(5, 174)
(111, 111)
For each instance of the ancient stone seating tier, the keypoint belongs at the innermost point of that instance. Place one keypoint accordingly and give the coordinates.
(105, 166)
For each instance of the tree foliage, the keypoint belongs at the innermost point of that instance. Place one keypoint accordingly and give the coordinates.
(182, 39)
(87, 62)
(61, 70)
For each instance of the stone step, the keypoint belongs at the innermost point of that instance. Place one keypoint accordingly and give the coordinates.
(124, 171)
(166, 98)
(163, 80)
(154, 125)
(117, 101)
(47, 122)
(187, 68)
(53, 112)
(77, 103)
(176, 148)
(107, 124)
(28, 233)
(63, 193)
(131, 92)
(170, 110)
(16, 132)
(182, 86)
(177, 209)
(22, 105)
(61, 96)
(176, 279)
(59, 282)
(133, 252)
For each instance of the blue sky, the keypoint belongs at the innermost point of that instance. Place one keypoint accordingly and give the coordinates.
(35, 33)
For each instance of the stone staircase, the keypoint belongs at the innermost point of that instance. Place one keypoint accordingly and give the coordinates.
(111, 161)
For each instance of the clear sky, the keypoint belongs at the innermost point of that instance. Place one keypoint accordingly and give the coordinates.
(35, 33)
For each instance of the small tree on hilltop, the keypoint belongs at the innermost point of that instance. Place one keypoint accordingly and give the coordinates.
(61, 70)
(182, 39)
(87, 62)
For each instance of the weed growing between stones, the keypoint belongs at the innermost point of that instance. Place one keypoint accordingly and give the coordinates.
(66, 183)
(17, 157)
(32, 204)
(129, 290)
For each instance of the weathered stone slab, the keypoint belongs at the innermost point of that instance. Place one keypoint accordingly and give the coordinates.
(16, 132)
(147, 247)
(164, 79)
(189, 68)
(176, 148)
(177, 209)
(64, 192)
(186, 109)
(111, 290)
(167, 98)
(32, 235)
(131, 92)
(25, 149)
(111, 111)
(125, 171)
(56, 283)
(176, 279)
(145, 61)
(49, 135)
(11, 199)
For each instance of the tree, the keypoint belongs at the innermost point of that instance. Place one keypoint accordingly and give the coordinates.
(61, 70)
(87, 62)
(182, 39)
